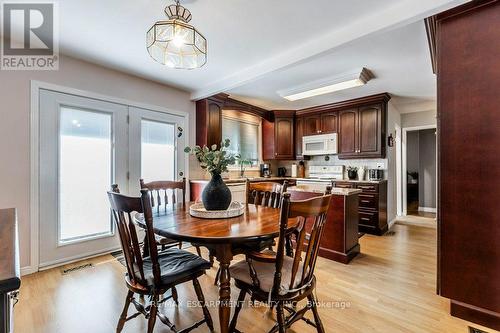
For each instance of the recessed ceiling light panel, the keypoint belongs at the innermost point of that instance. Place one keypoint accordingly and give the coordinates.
(324, 86)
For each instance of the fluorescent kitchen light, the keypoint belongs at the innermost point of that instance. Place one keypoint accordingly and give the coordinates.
(340, 82)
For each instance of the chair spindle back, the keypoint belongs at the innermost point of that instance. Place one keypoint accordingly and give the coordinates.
(265, 193)
(163, 192)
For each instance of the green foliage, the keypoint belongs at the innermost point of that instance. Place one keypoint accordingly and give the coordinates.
(213, 159)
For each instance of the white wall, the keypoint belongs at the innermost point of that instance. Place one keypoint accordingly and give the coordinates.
(427, 168)
(418, 119)
(14, 122)
(393, 120)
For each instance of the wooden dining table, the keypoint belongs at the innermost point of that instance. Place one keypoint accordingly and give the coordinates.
(224, 238)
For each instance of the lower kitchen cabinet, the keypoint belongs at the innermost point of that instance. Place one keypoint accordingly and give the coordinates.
(372, 206)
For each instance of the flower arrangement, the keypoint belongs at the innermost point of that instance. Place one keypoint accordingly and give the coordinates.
(214, 159)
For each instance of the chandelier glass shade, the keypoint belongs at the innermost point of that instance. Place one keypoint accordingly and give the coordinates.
(174, 42)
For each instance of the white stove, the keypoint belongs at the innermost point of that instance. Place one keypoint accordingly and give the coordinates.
(323, 174)
(330, 172)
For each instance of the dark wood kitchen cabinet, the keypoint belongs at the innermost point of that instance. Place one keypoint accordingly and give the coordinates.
(209, 121)
(468, 118)
(312, 125)
(278, 141)
(362, 132)
(299, 133)
(329, 122)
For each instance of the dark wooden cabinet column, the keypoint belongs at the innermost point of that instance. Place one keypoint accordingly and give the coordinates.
(209, 120)
(468, 74)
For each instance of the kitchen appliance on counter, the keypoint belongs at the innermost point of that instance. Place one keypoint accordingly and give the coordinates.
(375, 174)
(265, 170)
(281, 172)
(323, 144)
(294, 170)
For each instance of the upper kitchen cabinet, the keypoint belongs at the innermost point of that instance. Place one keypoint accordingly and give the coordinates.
(278, 139)
(312, 124)
(371, 131)
(329, 122)
(209, 120)
(348, 133)
(299, 133)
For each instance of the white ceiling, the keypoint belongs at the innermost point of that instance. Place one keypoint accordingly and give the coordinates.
(399, 60)
(248, 40)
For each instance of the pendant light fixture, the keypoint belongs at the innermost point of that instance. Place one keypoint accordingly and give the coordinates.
(174, 42)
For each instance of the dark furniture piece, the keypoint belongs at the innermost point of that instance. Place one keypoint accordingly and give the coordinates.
(278, 141)
(468, 127)
(372, 205)
(279, 279)
(163, 193)
(360, 124)
(10, 277)
(224, 238)
(153, 275)
(341, 232)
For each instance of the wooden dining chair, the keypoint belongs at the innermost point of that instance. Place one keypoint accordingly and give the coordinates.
(163, 194)
(282, 280)
(265, 193)
(152, 276)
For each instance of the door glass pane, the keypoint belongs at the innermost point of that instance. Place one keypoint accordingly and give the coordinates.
(157, 151)
(85, 174)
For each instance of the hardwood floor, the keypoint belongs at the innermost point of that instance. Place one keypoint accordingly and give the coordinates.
(390, 287)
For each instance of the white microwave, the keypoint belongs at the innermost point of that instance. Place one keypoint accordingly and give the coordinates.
(323, 144)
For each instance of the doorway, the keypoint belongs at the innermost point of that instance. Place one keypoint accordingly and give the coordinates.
(85, 145)
(419, 174)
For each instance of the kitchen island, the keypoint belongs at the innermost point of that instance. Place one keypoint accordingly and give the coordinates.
(340, 237)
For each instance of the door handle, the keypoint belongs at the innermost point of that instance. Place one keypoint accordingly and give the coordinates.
(181, 173)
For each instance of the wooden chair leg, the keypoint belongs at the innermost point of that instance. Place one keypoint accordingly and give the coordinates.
(180, 245)
(201, 299)
(216, 282)
(317, 319)
(198, 250)
(281, 317)
(239, 304)
(175, 296)
(152, 314)
(123, 316)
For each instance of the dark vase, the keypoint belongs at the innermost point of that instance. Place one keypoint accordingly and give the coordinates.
(352, 174)
(216, 195)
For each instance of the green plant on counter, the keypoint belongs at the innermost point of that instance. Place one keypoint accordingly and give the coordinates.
(214, 159)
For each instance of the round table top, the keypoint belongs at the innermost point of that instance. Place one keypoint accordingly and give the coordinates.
(175, 222)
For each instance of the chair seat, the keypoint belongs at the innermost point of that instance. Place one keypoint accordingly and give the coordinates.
(265, 273)
(175, 265)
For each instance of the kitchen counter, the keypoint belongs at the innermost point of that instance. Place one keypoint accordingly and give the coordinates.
(243, 180)
(272, 179)
(321, 189)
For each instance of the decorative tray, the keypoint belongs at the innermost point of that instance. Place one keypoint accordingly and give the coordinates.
(235, 209)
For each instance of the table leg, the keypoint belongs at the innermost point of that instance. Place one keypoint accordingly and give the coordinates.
(224, 256)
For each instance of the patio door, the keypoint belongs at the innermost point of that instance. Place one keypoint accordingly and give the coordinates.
(85, 146)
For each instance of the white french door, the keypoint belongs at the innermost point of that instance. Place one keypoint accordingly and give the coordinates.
(156, 143)
(85, 146)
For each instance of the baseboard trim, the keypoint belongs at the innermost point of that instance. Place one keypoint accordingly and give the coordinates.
(27, 270)
(475, 314)
(427, 209)
(392, 222)
(57, 263)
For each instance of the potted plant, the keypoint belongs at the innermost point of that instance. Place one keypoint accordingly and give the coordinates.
(352, 172)
(243, 162)
(216, 195)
